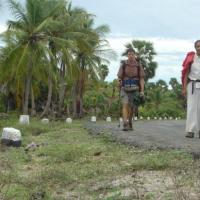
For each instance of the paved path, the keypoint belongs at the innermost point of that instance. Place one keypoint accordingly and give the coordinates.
(150, 134)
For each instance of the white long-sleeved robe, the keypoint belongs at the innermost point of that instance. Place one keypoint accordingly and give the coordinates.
(193, 100)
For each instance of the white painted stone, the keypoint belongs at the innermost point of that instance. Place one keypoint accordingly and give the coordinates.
(165, 118)
(148, 118)
(141, 118)
(12, 134)
(171, 118)
(135, 118)
(155, 118)
(69, 120)
(45, 121)
(121, 119)
(24, 119)
(108, 119)
(160, 118)
(176, 118)
(93, 119)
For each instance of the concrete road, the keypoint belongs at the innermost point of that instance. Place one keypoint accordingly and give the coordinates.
(155, 134)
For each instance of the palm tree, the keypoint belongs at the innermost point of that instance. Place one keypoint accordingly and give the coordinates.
(31, 32)
(104, 71)
(161, 83)
(52, 43)
(72, 32)
(176, 87)
(73, 20)
(145, 53)
(177, 92)
(89, 58)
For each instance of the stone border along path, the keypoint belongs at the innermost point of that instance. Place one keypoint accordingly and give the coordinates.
(153, 134)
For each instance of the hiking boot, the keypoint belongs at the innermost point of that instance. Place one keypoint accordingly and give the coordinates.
(130, 126)
(125, 127)
(189, 135)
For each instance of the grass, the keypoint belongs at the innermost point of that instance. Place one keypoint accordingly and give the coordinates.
(71, 164)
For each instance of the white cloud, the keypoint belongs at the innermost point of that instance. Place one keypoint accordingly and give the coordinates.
(163, 45)
(167, 72)
(170, 54)
(2, 28)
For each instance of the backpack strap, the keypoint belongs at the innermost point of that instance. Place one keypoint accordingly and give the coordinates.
(124, 66)
(139, 73)
(123, 69)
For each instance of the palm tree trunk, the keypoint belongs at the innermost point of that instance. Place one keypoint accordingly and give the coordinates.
(78, 100)
(75, 100)
(33, 110)
(68, 110)
(62, 90)
(48, 103)
(27, 88)
(78, 96)
(62, 93)
(81, 107)
(82, 82)
(78, 91)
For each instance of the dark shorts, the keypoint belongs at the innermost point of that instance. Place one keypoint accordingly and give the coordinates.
(127, 97)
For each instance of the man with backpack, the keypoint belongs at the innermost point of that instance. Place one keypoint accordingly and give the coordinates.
(131, 80)
(191, 90)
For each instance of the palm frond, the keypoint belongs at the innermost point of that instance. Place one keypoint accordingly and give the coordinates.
(17, 10)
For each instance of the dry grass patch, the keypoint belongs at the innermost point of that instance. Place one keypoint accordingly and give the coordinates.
(75, 165)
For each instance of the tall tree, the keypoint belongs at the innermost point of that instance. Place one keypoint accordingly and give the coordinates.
(177, 91)
(104, 71)
(161, 83)
(145, 53)
(49, 43)
(176, 86)
(31, 32)
(72, 31)
(88, 58)
(74, 19)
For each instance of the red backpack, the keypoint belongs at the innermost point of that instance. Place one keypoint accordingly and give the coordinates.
(187, 64)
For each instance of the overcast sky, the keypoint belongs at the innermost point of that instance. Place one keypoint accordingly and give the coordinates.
(172, 26)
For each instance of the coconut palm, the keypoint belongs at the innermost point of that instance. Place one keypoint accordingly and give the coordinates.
(72, 31)
(73, 20)
(31, 32)
(88, 59)
(52, 43)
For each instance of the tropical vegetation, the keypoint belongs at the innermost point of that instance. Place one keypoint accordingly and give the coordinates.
(54, 62)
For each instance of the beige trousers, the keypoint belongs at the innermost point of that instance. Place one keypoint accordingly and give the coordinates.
(193, 109)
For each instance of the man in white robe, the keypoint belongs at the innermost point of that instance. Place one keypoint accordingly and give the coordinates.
(191, 89)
